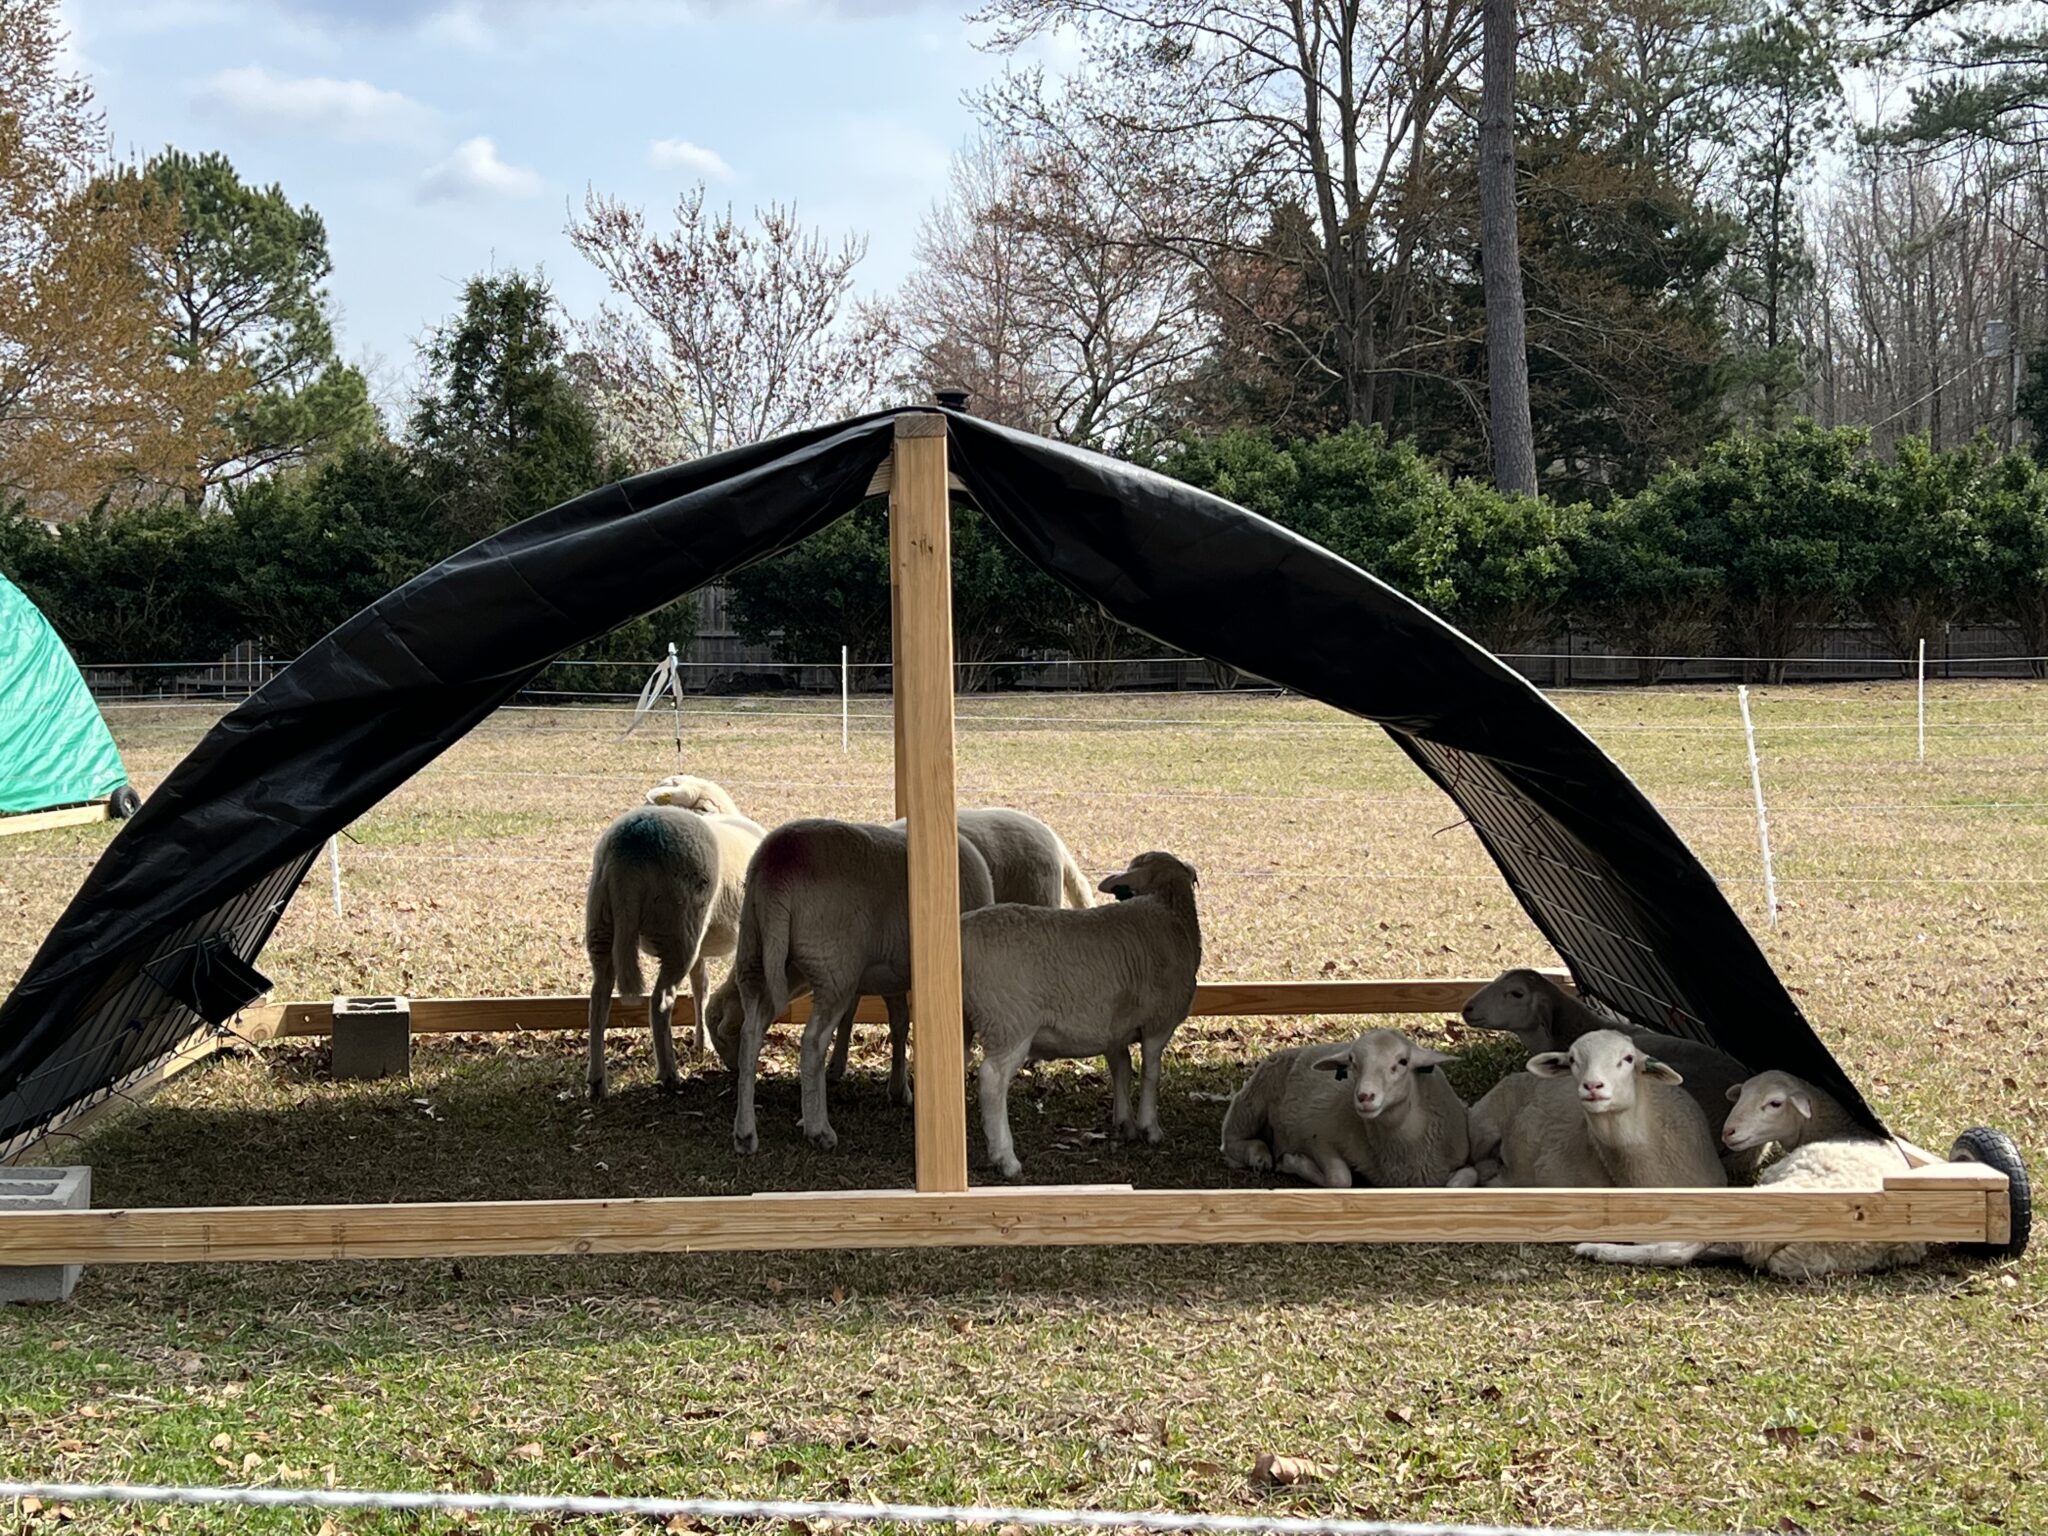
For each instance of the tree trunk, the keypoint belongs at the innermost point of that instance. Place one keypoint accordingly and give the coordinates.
(1507, 349)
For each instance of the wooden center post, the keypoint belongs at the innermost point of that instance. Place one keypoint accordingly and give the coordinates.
(921, 582)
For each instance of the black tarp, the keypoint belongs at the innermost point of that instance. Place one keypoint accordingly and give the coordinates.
(204, 871)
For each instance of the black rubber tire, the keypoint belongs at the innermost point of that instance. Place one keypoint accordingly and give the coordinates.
(123, 803)
(1995, 1149)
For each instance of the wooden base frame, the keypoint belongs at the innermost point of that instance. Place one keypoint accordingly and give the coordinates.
(1926, 1201)
(63, 816)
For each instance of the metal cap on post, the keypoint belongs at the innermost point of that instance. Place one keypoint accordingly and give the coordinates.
(951, 399)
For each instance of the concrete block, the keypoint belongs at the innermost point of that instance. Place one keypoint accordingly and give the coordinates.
(42, 1189)
(372, 1037)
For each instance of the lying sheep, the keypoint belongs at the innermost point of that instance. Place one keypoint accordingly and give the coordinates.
(670, 881)
(828, 907)
(688, 792)
(1616, 1117)
(1824, 1148)
(1039, 984)
(1376, 1111)
(1544, 1017)
(1026, 859)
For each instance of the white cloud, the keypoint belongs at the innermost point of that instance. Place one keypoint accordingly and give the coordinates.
(695, 159)
(460, 26)
(352, 110)
(475, 170)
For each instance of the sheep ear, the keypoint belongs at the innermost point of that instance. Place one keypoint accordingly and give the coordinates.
(1551, 1064)
(1663, 1072)
(1735, 1093)
(1423, 1059)
(1803, 1102)
(1341, 1065)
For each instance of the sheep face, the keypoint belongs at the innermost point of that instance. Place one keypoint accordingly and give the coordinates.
(690, 793)
(1772, 1106)
(1149, 874)
(1609, 1067)
(1381, 1068)
(724, 1013)
(1518, 1001)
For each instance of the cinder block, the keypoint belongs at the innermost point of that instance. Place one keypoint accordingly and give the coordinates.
(42, 1189)
(372, 1037)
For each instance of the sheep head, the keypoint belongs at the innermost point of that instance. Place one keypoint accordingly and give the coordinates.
(1520, 1001)
(1149, 874)
(1610, 1069)
(690, 793)
(1381, 1067)
(724, 1013)
(1772, 1106)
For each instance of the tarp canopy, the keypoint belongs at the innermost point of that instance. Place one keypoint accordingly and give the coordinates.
(55, 748)
(160, 935)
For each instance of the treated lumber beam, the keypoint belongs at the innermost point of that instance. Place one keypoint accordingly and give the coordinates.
(1214, 999)
(1935, 1211)
(63, 816)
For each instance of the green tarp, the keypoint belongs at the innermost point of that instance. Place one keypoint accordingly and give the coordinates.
(54, 747)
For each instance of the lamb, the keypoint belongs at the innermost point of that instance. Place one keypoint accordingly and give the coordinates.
(671, 881)
(1824, 1148)
(691, 793)
(1545, 1017)
(827, 906)
(1026, 859)
(1376, 1109)
(1615, 1102)
(1040, 984)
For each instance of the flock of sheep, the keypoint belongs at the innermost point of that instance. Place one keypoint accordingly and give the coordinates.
(823, 906)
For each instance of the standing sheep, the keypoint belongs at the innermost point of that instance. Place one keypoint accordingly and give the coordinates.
(1824, 1148)
(1026, 859)
(1039, 984)
(1613, 1101)
(1376, 1109)
(827, 906)
(1544, 1017)
(670, 881)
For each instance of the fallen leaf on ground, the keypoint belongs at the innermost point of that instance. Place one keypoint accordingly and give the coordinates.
(1282, 1470)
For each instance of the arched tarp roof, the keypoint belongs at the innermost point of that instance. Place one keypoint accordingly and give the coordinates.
(160, 933)
(54, 746)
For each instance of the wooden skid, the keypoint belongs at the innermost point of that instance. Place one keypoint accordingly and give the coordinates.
(1947, 1209)
(1216, 999)
(63, 816)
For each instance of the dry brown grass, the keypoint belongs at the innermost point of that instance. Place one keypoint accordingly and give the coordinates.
(1483, 1383)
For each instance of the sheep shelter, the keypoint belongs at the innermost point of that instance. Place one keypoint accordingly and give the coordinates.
(58, 763)
(154, 961)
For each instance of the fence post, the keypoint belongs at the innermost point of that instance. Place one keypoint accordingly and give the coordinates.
(1763, 820)
(1922, 700)
(844, 695)
(334, 868)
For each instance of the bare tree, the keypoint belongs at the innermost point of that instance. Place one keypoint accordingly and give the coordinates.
(1036, 290)
(729, 332)
(1507, 347)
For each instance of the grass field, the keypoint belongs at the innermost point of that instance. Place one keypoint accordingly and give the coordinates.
(1501, 1384)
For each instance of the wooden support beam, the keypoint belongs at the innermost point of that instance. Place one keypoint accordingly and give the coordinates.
(63, 816)
(1936, 1211)
(1213, 999)
(921, 572)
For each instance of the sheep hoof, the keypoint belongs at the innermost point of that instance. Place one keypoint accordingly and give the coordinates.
(672, 1085)
(1260, 1158)
(1464, 1178)
(1152, 1134)
(1123, 1130)
(899, 1095)
(598, 1089)
(824, 1138)
(1009, 1167)
(746, 1144)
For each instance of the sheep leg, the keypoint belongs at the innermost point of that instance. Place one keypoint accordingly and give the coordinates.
(899, 1052)
(1671, 1255)
(1331, 1172)
(760, 1013)
(700, 1003)
(1121, 1126)
(842, 1041)
(997, 1073)
(661, 1012)
(600, 1015)
(1153, 1051)
(827, 1015)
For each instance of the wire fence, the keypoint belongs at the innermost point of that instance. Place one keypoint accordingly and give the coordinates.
(588, 1506)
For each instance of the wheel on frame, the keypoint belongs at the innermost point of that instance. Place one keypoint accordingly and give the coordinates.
(1995, 1149)
(123, 803)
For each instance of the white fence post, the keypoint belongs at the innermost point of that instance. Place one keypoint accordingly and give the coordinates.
(1763, 820)
(844, 695)
(1922, 701)
(334, 868)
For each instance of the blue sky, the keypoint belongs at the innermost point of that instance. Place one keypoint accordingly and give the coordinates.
(440, 138)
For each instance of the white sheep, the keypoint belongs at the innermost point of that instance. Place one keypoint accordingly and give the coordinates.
(1824, 1148)
(690, 793)
(1040, 984)
(1544, 1017)
(827, 907)
(1614, 1101)
(670, 881)
(1376, 1109)
(1026, 859)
